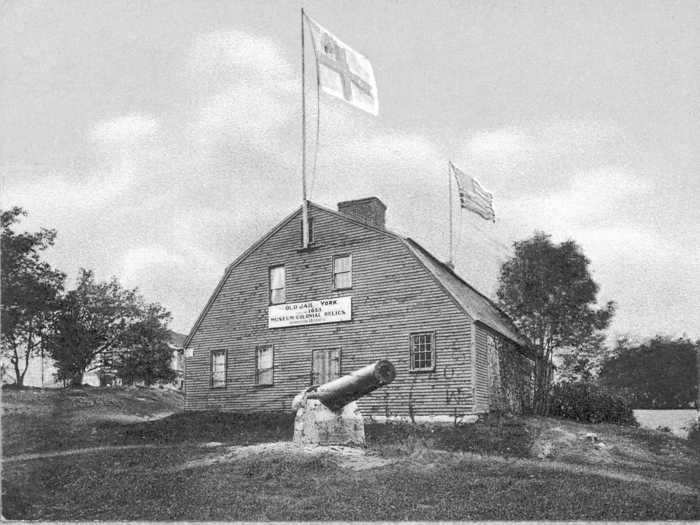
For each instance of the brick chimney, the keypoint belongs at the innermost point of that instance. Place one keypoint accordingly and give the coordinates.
(370, 210)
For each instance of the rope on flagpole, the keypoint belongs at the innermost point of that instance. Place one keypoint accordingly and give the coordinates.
(502, 250)
(318, 114)
(451, 259)
(461, 229)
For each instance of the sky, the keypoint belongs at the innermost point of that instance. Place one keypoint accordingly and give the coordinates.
(162, 138)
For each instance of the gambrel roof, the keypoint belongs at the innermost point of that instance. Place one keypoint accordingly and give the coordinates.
(479, 307)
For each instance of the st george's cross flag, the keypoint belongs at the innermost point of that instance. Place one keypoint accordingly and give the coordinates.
(473, 196)
(343, 72)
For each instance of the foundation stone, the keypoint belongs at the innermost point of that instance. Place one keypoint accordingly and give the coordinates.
(316, 424)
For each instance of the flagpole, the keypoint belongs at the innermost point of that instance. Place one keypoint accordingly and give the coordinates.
(304, 202)
(449, 183)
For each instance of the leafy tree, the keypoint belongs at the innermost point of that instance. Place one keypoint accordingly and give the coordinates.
(582, 363)
(93, 320)
(30, 292)
(661, 373)
(548, 291)
(147, 354)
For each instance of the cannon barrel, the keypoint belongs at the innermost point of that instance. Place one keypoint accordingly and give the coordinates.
(339, 392)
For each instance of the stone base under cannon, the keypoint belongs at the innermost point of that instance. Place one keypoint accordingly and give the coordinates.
(327, 414)
(316, 424)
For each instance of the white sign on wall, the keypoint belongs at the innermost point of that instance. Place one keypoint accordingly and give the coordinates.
(310, 312)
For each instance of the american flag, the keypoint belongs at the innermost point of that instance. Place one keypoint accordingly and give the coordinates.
(473, 196)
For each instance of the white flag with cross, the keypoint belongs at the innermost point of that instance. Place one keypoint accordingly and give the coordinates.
(343, 72)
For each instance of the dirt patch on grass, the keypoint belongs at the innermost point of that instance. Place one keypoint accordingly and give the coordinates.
(284, 451)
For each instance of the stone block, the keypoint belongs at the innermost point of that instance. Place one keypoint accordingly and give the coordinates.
(316, 424)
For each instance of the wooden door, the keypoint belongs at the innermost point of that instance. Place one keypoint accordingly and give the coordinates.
(325, 365)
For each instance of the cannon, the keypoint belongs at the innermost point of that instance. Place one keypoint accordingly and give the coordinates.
(346, 389)
(328, 414)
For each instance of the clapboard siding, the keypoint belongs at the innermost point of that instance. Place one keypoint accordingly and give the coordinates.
(393, 295)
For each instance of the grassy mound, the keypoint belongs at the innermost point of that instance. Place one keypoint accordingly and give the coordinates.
(201, 466)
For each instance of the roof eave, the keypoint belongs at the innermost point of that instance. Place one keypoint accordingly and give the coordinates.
(230, 268)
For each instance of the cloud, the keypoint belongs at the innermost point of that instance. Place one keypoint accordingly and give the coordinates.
(548, 138)
(396, 148)
(220, 56)
(650, 276)
(137, 262)
(537, 156)
(127, 129)
(126, 147)
(499, 143)
(247, 92)
(591, 196)
(59, 192)
(244, 113)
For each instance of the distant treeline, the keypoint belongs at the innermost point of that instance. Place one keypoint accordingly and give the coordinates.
(662, 373)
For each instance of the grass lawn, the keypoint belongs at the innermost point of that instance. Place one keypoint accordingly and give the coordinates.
(199, 466)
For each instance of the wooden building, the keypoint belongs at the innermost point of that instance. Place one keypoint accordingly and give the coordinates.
(284, 317)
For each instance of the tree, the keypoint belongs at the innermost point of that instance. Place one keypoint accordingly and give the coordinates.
(548, 291)
(147, 354)
(30, 292)
(661, 373)
(93, 319)
(582, 363)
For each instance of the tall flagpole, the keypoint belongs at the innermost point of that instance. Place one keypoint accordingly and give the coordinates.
(449, 183)
(304, 202)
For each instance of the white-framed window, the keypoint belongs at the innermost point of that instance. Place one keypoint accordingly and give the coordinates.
(278, 288)
(342, 272)
(422, 351)
(264, 364)
(218, 369)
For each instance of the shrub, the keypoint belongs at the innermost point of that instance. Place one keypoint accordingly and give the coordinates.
(589, 403)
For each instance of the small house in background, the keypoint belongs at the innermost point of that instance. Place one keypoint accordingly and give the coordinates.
(177, 363)
(285, 316)
(107, 374)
